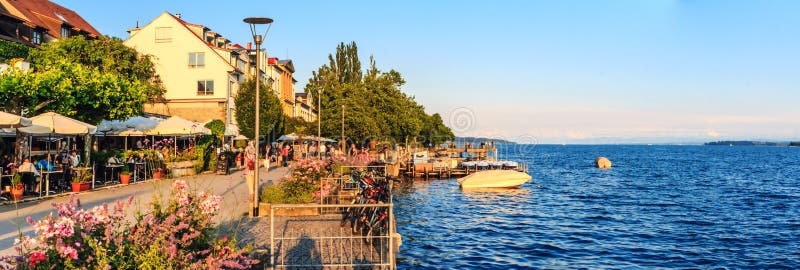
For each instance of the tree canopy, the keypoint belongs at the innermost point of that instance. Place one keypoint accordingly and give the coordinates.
(374, 105)
(271, 115)
(89, 80)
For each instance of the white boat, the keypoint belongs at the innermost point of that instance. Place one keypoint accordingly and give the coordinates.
(510, 164)
(496, 164)
(468, 164)
(494, 179)
(482, 165)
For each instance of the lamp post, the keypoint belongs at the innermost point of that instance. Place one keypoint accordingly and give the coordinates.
(254, 22)
(319, 123)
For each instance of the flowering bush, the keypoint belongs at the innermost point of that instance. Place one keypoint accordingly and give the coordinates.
(174, 235)
(303, 186)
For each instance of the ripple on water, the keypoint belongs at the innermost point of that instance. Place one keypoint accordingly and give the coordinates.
(659, 207)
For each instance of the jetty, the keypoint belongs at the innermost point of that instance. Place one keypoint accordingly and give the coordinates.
(447, 162)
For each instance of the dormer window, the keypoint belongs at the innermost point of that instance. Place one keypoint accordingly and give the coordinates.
(64, 31)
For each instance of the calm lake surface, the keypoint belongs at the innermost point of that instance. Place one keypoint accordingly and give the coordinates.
(658, 207)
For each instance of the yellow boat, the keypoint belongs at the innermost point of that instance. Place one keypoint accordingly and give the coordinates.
(494, 179)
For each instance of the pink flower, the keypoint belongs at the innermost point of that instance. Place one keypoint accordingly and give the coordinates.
(210, 204)
(65, 226)
(37, 257)
(179, 185)
(68, 252)
(182, 199)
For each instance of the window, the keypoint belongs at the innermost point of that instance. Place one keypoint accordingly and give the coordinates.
(197, 60)
(64, 31)
(205, 88)
(163, 34)
(36, 37)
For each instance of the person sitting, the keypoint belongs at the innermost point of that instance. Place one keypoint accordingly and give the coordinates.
(141, 160)
(44, 164)
(29, 173)
(113, 161)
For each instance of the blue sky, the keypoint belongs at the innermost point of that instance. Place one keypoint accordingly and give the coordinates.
(543, 71)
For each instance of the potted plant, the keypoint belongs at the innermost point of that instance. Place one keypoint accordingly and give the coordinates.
(125, 175)
(81, 183)
(17, 188)
(158, 173)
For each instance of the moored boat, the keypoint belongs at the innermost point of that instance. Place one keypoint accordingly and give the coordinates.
(494, 179)
(510, 164)
(482, 165)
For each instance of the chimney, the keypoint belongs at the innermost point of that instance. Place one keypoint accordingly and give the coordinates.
(134, 30)
(249, 45)
(177, 15)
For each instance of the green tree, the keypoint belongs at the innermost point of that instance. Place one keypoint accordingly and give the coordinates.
(217, 128)
(89, 80)
(375, 106)
(270, 111)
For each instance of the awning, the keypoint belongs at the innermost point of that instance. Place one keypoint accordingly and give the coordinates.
(134, 126)
(13, 120)
(177, 126)
(62, 125)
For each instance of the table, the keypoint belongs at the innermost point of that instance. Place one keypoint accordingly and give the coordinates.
(46, 177)
(114, 167)
(136, 170)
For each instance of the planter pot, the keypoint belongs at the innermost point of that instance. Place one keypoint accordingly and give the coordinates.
(78, 187)
(16, 193)
(125, 178)
(182, 168)
(158, 175)
(264, 209)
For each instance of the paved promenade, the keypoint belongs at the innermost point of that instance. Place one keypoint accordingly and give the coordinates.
(231, 187)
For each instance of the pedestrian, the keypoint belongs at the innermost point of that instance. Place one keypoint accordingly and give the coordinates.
(285, 155)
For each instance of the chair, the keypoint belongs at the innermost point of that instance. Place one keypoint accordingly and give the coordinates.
(28, 178)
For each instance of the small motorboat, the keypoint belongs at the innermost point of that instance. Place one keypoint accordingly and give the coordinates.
(469, 164)
(510, 164)
(494, 179)
(496, 164)
(483, 165)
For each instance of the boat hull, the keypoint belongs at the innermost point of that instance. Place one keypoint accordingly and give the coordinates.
(494, 179)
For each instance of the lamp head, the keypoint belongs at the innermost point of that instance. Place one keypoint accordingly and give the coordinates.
(254, 21)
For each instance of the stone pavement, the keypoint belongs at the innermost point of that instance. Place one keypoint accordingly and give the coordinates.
(231, 187)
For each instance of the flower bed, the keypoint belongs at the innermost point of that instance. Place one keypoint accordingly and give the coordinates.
(303, 186)
(172, 234)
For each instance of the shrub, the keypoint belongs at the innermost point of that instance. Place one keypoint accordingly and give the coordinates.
(175, 234)
(273, 194)
(304, 185)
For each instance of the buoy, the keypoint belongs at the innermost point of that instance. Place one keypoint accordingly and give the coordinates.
(603, 163)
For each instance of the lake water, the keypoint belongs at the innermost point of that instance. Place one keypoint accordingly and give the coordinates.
(658, 207)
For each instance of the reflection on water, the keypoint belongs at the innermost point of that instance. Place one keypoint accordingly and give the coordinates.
(659, 207)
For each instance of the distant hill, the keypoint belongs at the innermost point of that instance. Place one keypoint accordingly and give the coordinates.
(481, 139)
(752, 143)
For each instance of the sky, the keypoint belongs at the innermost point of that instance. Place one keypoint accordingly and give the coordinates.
(654, 71)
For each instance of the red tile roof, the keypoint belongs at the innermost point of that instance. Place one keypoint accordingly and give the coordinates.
(49, 15)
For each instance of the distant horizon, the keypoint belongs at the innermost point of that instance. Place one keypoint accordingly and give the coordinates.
(638, 141)
(549, 71)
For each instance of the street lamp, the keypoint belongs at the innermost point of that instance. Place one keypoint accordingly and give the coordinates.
(254, 22)
(319, 123)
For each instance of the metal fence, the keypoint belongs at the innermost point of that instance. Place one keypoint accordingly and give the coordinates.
(321, 241)
(320, 238)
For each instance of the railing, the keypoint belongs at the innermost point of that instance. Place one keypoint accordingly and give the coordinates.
(320, 241)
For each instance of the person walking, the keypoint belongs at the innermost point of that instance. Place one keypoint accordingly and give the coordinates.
(250, 165)
(285, 155)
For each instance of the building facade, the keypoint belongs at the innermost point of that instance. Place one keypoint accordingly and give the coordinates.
(33, 22)
(303, 107)
(201, 70)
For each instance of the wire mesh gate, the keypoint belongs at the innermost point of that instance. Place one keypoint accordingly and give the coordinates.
(320, 241)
